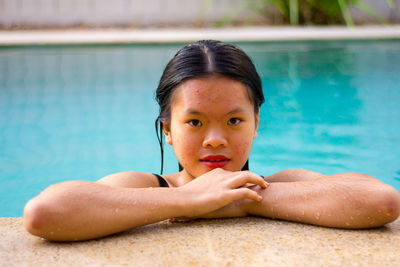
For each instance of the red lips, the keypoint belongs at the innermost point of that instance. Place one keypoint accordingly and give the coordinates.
(214, 161)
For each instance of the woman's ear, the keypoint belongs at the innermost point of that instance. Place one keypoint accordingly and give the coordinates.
(257, 120)
(166, 130)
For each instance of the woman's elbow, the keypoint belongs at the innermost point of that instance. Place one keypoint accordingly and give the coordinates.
(49, 210)
(381, 201)
(384, 208)
(390, 204)
(37, 217)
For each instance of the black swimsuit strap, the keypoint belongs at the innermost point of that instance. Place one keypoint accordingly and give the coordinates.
(161, 181)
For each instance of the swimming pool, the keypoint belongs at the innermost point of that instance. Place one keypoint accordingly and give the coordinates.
(82, 112)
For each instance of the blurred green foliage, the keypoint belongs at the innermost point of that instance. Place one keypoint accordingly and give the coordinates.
(316, 12)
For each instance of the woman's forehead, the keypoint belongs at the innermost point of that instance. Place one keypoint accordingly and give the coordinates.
(211, 90)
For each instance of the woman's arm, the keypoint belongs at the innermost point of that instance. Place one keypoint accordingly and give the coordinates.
(78, 210)
(347, 200)
(292, 175)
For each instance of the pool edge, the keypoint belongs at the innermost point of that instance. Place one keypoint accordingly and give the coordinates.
(250, 241)
(239, 34)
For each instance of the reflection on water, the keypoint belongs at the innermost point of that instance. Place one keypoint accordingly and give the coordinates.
(331, 107)
(312, 109)
(84, 112)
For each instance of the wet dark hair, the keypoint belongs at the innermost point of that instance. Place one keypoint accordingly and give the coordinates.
(201, 59)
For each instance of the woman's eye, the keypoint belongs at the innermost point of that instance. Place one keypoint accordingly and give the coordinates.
(234, 121)
(195, 123)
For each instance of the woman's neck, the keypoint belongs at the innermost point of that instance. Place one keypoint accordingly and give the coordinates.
(180, 178)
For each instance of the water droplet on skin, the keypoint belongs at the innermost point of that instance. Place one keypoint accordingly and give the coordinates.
(302, 212)
(317, 216)
(116, 210)
(351, 218)
(348, 224)
(272, 209)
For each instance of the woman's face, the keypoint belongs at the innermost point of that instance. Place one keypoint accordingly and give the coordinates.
(212, 124)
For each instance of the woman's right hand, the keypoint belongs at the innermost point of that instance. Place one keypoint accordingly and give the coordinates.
(218, 188)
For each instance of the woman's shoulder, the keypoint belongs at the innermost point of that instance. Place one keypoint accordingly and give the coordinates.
(130, 179)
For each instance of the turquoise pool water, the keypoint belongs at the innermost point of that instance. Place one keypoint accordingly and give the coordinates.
(82, 112)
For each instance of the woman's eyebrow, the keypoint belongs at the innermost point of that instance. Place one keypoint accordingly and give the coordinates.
(236, 110)
(196, 112)
(192, 112)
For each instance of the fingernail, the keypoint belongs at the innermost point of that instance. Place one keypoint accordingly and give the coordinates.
(260, 198)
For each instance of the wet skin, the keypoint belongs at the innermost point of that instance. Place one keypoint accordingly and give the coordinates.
(212, 125)
(212, 128)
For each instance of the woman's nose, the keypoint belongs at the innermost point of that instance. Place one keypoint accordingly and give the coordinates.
(214, 138)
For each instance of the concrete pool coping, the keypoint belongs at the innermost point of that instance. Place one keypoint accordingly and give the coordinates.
(125, 36)
(232, 242)
(249, 241)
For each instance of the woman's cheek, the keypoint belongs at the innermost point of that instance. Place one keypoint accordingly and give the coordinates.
(186, 149)
(243, 148)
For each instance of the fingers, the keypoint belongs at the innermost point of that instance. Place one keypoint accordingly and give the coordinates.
(245, 177)
(241, 193)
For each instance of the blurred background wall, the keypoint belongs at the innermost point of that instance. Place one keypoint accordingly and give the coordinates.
(159, 13)
(103, 13)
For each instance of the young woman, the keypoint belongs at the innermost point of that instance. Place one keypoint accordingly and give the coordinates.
(210, 96)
